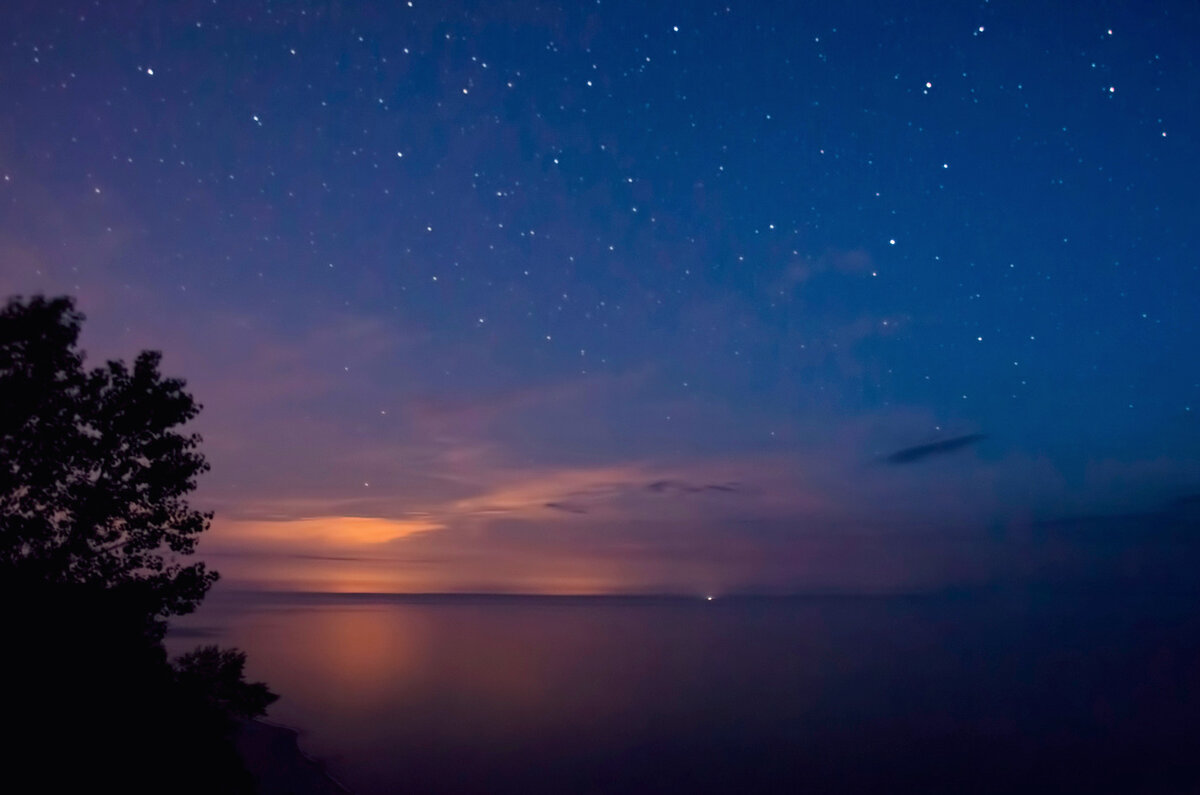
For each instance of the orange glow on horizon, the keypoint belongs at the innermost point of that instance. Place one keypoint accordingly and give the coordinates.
(324, 530)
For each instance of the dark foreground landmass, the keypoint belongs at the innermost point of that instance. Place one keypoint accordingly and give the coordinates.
(96, 706)
(279, 767)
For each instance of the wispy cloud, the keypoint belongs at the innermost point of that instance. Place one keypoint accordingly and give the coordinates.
(566, 507)
(679, 487)
(318, 531)
(919, 452)
(803, 268)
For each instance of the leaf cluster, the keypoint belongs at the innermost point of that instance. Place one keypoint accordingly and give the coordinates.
(94, 473)
(217, 675)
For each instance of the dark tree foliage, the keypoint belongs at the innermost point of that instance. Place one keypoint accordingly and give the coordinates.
(92, 704)
(216, 675)
(93, 473)
(94, 521)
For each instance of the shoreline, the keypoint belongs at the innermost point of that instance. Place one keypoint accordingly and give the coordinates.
(272, 755)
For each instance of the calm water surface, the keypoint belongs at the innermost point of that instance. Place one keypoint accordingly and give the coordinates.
(968, 693)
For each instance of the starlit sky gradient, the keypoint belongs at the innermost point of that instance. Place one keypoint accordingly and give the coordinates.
(636, 296)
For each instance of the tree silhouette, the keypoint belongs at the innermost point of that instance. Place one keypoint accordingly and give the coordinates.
(94, 521)
(215, 675)
(93, 474)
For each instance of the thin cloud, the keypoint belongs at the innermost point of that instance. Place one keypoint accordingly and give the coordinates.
(920, 452)
(566, 507)
(680, 487)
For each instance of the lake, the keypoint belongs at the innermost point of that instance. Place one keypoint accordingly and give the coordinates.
(990, 691)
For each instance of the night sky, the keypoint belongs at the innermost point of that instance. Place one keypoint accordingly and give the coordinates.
(636, 296)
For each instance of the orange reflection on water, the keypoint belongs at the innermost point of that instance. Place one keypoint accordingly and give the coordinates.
(468, 670)
(344, 657)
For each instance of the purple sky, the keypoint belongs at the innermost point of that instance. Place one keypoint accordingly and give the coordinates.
(602, 298)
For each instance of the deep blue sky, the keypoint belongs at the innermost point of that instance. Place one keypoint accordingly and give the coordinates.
(624, 294)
